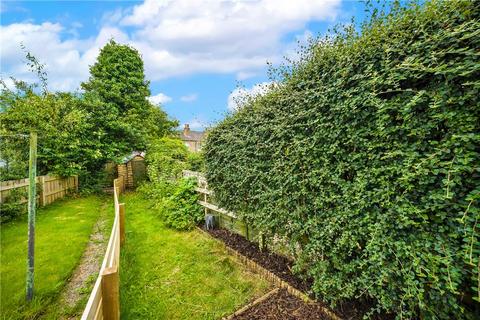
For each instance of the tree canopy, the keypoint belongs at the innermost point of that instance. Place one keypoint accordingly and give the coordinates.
(78, 133)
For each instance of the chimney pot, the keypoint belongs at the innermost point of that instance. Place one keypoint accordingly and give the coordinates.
(186, 129)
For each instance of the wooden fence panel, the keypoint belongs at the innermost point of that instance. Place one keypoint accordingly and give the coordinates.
(50, 188)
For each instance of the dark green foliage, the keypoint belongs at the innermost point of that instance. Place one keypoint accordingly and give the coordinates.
(176, 202)
(166, 158)
(12, 206)
(182, 210)
(366, 156)
(196, 161)
(117, 94)
(65, 142)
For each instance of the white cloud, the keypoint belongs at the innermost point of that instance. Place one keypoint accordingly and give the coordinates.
(66, 61)
(182, 37)
(160, 98)
(189, 97)
(175, 38)
(238, 96)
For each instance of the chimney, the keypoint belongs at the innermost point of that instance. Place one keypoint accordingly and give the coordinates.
(186, 129)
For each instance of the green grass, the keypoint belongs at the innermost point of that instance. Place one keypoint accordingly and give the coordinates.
(166, 274)
(62, 232)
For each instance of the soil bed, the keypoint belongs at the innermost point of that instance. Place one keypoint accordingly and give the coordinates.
(275, 263)
(283, 306)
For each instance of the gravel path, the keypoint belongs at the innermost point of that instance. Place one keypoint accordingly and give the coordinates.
(83, 278)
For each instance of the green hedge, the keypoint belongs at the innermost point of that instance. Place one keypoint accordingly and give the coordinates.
(366, 156)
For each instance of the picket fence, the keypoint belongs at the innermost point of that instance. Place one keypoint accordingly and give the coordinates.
(104, 300)
(49, 188)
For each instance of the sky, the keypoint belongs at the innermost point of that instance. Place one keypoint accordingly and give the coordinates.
(199, 54)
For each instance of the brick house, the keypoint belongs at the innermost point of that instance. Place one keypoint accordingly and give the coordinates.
(192, 139)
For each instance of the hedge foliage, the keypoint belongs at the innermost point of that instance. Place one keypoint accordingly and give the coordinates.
(366, 156)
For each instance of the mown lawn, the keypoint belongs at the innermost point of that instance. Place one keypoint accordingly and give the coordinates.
(62, 232)
(166, 274)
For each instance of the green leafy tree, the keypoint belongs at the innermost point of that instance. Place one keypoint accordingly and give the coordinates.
(58, 119)
(174, 197)
(166, 158)
(116, 94)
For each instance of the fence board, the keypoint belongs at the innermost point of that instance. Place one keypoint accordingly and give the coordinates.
(94, 307)
(50, 188)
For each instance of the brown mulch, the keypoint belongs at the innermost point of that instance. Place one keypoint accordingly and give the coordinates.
(283, 306)
(279, 265)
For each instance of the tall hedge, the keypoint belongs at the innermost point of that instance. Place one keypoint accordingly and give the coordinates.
(366, 156)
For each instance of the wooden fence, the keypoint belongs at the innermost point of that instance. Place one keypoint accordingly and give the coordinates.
(104, 300)
(226, 219)
(229, 220)
(49, 188)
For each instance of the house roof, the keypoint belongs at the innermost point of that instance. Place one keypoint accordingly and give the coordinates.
(192, 135)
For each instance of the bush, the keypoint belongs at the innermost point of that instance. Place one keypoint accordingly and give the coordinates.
(176, 202)
(195, 161)
(182, 211)
(366, 157)
(12, 206)
(173, 197)
(166, 158)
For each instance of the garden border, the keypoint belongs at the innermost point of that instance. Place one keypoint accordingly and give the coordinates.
(270, 277)
(252, 304)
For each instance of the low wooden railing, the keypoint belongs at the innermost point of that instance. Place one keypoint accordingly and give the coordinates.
(104, 301)
(227, 219)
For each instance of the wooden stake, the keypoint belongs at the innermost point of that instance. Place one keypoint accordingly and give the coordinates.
(32, 197)
(111, 294)
(121, 206)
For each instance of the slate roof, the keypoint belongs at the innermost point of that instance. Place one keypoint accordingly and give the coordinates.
(192, 135)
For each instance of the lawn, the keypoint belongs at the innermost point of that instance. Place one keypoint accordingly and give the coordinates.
(166, 274)
(62, 232)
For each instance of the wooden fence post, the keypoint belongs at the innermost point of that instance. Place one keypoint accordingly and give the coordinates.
(121, 207)
(111, 294)
(32, 202)
(43, 197)
(76, 183)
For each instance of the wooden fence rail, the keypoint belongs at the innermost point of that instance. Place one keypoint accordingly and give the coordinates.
(50, 188)
(226, 219)
(104, 300)
(230, 220)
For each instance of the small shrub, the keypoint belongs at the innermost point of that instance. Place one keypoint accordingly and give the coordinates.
(166, 158)
(182, 211)
(12, 206)
(195, 161)
(175, 202)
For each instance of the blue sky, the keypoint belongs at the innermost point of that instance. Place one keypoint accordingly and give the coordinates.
(196, 53)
